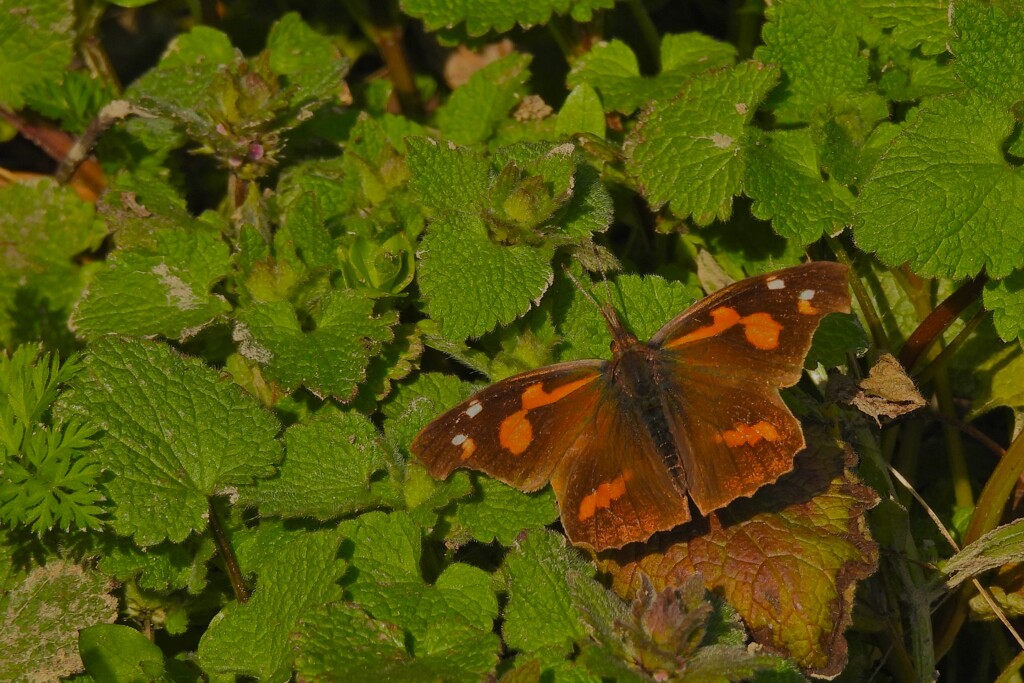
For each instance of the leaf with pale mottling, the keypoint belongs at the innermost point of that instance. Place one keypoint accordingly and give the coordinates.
(689, 151)
(176, 433)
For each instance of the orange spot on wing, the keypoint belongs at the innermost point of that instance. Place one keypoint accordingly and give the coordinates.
(723, 318)
(468, 449)
(749, 435)
(603, 497)
(534, 395)
(806, 307)
(515, 433)
(762, 331)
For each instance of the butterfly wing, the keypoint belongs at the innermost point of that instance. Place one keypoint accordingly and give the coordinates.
(613, 486)
(725, 360)
(518, 429)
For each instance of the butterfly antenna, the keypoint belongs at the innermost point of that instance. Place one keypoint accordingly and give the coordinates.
(619, 334)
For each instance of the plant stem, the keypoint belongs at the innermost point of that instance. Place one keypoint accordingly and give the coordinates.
(747, 27)
(867, 308)
(227, 553)
(651, 54)
(941, 361)
(378, 21)
(939, 319)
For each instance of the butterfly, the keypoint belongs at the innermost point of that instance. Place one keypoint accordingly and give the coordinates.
(694, 414)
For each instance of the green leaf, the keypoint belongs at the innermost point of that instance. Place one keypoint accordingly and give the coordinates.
(472, 284)
(988, 58)
(581, 113)
(1005, 298)
(446, 178)
(817, 46)
(160, 291)
(540, 612)
(784, 180)
(386, 555)
(968, 208)
(43, 614)
(914, 23)
(837, 335)
(481, 16)
(416, 403)
(36, 42)
(612, 69)
(175, 434)
(43, 227)
(689, 151)
(112, 652)
(255, 638)
(497, 512)
(645, 304)
(303, 55)
(160, 568)
(473, 111)
(328, 470)
(331, 358)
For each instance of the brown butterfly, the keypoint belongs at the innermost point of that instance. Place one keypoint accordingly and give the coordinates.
(693, 413)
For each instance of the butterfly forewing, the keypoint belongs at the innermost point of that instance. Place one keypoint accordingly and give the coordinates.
(758, 330)
(518, 429)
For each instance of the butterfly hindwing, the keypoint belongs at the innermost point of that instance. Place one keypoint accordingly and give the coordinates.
(613, 486)
(518, 429)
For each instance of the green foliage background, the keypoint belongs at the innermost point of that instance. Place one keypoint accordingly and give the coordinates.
(307, 228)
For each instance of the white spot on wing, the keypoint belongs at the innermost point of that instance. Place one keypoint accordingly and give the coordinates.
(459, 439)
(807, 294)
(776, 283)
(474, 409)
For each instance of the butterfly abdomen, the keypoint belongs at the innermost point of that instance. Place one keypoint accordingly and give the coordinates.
(637, 381)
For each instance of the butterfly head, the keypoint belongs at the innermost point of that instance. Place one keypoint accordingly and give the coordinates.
(622, 338)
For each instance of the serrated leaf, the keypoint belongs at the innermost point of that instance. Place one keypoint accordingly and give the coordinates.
(613, 70)
(330, 359)
(988, 60)
(496, 512)
(255, 638)
(328, 471)
(161, 568)
(784, 180)
(36, 42)
(303, 55)
(119, 653)
(43, 227)
(1005, 298)
(415, 403)
(176, 433)
(643, 303)
(789, 571)
(968, 202)
(914, 23)
(160, 291)
(473, 111)
(481, 16)
(540, 611)
(472, 284)
(689, 152)
(817, 46)
(444, 176)
(386, 555)
(42, 615)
